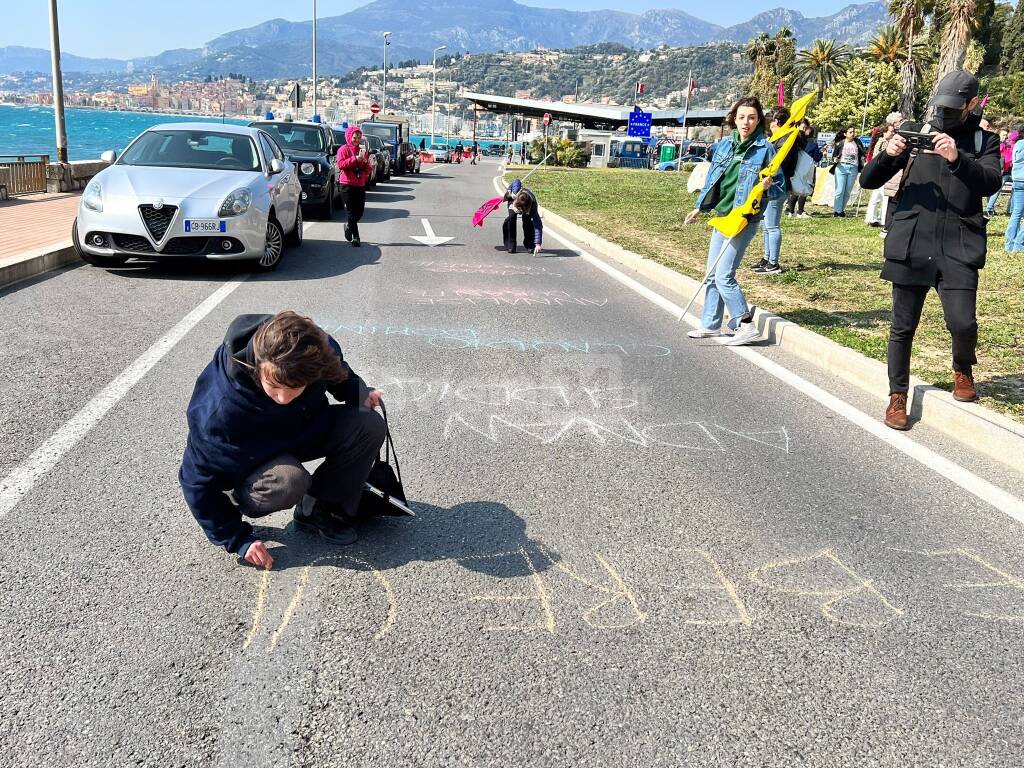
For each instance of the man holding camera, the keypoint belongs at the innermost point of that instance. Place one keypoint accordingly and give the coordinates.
(937, 238)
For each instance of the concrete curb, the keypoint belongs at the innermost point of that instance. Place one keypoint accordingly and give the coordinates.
(31, 263)
(979, 428)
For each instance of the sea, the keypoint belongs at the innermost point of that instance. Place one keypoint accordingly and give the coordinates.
(30, 130)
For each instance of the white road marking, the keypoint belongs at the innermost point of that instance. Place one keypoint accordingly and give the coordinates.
(24, 476)
(970, 482)
(430, 239)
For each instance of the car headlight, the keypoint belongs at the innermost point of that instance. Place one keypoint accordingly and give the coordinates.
(307, 169)
(236, 203)
(92, 198)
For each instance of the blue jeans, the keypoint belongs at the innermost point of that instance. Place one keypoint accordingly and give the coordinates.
(991, 209)
(722, 288)
(1014, 230)
(845, 176)
(771, 224)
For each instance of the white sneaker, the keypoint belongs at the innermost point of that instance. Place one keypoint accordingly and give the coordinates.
(746, 334)
(703, 333)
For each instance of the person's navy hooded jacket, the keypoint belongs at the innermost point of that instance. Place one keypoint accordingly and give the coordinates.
(538, 224)
(234, 427)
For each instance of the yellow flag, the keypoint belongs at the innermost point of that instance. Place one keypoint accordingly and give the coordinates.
(737, 219)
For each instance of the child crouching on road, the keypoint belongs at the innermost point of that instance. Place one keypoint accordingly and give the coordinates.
(523, 203)
(260, 409)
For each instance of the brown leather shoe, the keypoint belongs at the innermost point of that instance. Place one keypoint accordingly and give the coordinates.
(963, 386)
(896, 413)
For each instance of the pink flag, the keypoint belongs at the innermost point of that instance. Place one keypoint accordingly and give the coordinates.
(486, 209)
(782, 93)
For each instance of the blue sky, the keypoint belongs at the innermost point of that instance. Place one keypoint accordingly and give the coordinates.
(124, 29)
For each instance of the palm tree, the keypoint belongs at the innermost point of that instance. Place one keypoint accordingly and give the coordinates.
(888, 46)
(908, 18)
(959, 23)
(759, 49)
(822, 63)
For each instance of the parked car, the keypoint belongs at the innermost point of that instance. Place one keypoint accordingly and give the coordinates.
(441, 153)
(371, 177)
(383, 157)
(671, 165)
(394, 133)
(411, 157)
(495, 151)
(198, 189)
(312, 148)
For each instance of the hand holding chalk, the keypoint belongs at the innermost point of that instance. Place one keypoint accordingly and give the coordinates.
(258, 555)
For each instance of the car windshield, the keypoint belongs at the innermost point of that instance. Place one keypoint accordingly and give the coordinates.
(385, 132)
(300, 138)
(375, 142)
(193, 149)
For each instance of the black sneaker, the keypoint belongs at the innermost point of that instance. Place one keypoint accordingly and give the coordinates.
(348, 233)
(759, 267)
(311, 517)
(773, 269)
(356, 242)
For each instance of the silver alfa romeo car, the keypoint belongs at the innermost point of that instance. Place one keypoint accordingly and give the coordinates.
(206, 190)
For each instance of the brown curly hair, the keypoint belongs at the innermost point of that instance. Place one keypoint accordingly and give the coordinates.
(296, 352)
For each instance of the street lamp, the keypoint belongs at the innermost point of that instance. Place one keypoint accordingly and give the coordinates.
(58, 86)
(314, 57)
(433, 96)
(384, 90)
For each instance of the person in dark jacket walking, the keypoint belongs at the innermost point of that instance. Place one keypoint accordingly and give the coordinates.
(795, 203)
(355, 170)
(522, 203)
(260, 409)
(937, 238)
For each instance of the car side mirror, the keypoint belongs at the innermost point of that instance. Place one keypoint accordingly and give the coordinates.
(276, 166)
(109, 157)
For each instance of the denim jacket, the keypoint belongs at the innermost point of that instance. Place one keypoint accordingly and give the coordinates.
(757, 156)
(1017, 171)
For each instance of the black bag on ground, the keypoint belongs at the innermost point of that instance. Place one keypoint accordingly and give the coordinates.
(383, 495)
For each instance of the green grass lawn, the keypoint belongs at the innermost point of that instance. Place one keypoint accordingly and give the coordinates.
(830, 283)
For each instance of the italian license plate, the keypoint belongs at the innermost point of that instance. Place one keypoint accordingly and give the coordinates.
(205, 225)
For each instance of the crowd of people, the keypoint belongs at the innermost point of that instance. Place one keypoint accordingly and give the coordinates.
(934, 185)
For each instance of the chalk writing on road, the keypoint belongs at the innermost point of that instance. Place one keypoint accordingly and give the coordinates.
(496, 298)
(496, 270)
(681, 589)
(473, 339)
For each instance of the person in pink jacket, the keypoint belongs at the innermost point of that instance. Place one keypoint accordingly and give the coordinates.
(355, 168)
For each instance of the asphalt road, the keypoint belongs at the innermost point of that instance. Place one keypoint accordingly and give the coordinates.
(631, 549)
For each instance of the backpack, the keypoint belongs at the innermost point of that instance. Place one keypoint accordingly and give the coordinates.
(802, 181)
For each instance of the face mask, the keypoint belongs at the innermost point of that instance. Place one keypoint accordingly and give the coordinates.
(946, 118)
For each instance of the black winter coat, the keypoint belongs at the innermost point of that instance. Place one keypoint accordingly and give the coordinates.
(234, 428)
(938, 226)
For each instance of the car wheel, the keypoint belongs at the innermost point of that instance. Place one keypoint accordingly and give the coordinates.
(88, 258)
(295, 236)
(273, 247)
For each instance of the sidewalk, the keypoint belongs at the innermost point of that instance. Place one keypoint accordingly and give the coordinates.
(36, 235)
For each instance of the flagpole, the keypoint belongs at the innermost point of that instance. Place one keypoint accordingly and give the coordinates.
(686, 110)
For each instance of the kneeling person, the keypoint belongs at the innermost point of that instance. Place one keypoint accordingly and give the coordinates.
(259, 409)
(522, 202)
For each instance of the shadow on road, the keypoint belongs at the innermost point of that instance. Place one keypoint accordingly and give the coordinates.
(317, 259)
(482, 536)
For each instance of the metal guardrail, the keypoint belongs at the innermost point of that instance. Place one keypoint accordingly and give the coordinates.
(22, 174)
(636, 163)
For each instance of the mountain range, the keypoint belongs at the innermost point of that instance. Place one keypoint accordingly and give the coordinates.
(280, 48)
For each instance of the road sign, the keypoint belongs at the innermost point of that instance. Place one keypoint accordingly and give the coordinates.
(374, 108)
(547, 118)
(639, 123)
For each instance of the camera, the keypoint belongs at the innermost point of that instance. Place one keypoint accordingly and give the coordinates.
(918, 141)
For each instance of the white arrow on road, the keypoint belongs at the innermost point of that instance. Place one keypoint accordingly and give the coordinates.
(430, 238)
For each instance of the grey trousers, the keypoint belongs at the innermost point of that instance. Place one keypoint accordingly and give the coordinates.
(348, 447)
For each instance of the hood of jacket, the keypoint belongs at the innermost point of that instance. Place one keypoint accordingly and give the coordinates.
(349, 132)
